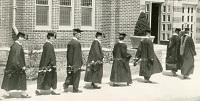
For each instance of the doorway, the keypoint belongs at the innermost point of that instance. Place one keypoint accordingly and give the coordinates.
(155, 21)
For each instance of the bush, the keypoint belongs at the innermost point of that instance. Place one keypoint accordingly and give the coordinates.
(141, 25)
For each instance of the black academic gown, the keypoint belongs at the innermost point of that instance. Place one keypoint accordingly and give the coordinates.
(187, 52)
(120, 69)
(173, 60)
(94, 69)
(14, 75)
(74, 60)
(47, 79)
(149, 62)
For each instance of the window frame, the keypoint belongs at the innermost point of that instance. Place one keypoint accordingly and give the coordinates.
(71, 26)
(47, 27)
(92, 27)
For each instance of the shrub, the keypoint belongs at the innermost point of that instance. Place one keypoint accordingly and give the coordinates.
(141, 25)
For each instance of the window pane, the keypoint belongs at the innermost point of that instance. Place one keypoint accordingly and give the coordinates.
(191, 27)
(182, 18)
(163, 17)
(169, 17)
(147, 7)
(183, 9)
(164, 8)
(42, 15)
(86, 2)
(86, 17)
(191, 10)
(44, 2)
(188, 18)
(163, 36)
(163, 27)
(169, 27)
(65, 2)
(191, 18)
(188, 10)
(65, 16)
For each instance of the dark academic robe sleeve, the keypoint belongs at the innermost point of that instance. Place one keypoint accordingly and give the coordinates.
(74, 55)
(70, 55)
(48, 56)
(192, 46)
(151, 51)
(124, 53)
(98, 55)
(138, 53)
(16, 58)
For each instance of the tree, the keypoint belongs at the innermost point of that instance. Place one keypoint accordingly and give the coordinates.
(141, 25)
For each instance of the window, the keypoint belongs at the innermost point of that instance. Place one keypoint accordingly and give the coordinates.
(182, 26)
(188, 9)
(164, 8)
(191, 18)
(169, 27)
(164, 18)
(168, 36)
(163, 36)
(148, 8)
(163, 27)
(169, 17)
(183, 9)
(42, 12)
(169, 9)
(191, 27)
(87, 13)
(65, 12)
(188, 26)
(182, 18)
(192, 10)
(188, 18)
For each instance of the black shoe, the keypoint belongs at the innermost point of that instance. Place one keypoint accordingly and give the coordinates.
(25, 96)
(116, 85)
(77, 91)
(54, 93)
(37, 92)
(95, 86)
(147, 81)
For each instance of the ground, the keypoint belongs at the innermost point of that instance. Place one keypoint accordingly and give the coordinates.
(163, 88)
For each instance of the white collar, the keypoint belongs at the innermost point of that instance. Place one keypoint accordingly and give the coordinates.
(74, 38)
(49, 41)
(18, 42)
(121, 41)
(175, 34)
(97, 40)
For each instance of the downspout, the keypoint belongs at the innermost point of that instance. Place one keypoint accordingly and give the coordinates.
(14, 28)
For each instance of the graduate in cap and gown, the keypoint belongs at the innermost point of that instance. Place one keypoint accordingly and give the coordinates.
(14, 81)
(149, 63)
(173, 60)
(94, 65)
(47, 75)
(74, 62)
(121, 72)
(187, 52)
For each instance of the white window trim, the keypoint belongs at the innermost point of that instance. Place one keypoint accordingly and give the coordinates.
(93, 18)
(48, 27)
(71, 20)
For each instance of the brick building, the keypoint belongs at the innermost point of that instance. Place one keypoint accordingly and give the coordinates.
(37, 17)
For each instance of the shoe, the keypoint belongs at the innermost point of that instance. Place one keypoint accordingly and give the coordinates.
(77, 91)
(148, 81)
(55, 93)
(37, 92)
(95, 86)
(186, 77)
(116, 85)
(25, 96)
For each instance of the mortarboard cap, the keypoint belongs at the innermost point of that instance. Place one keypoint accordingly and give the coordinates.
(77, 30)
